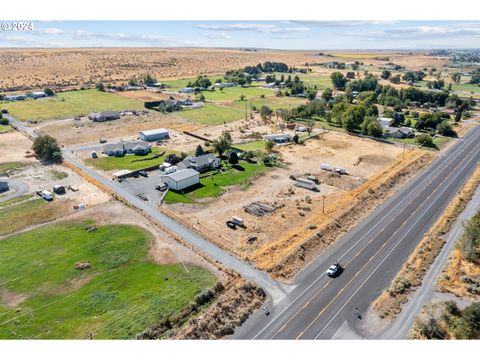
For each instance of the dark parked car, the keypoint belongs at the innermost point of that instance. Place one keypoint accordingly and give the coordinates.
(231, 225)
(143, 173)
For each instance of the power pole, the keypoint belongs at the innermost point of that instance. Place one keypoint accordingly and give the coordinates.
(404, 145)
(246, 110)
(323, 204)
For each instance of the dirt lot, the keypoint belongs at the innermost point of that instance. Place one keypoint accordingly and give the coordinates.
(69, 68)
(14, 146)
(361, 157)
(73, 132)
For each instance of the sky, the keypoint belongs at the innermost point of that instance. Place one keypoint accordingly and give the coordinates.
(288, 35)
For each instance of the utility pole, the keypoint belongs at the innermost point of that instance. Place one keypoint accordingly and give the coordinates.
(246, 110)
(323, 204)
(404, 145)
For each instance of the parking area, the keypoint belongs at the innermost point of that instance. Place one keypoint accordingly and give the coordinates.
(145, 187)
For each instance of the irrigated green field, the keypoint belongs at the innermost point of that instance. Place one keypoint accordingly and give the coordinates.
(211, 114)
(43, 295)
(129, 162)
(69, 103)
(234, 93)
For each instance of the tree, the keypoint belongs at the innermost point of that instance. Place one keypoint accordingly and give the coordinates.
(386, 74)
(395, 79)
(242, 97)
(445, 129)
(266, 113)
(46, 148)
(100, 86)
(424, 140)
(269, 145)
(296, 138)
(223, 143)
(233, 159)
(338, 80)
(310, 126)
(471, 317)
(456, 77)
(201, 98)
(48, 92)
(199, 151)
(327, 94)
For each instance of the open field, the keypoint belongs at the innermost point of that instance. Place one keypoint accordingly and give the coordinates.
(121, 294)
(129, 162)
(15, 148)
(24, 212)
(211, 114)
(69, 104)
(212, 185)
(30, 69)
(234, 93)
(275, 103)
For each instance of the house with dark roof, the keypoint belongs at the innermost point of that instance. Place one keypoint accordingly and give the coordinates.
(3, 186)
(104, 116)
(200, 163)
(128, 147)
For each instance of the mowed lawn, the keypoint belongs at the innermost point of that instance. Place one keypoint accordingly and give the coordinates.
(70, 103)
(43, 295)
(256, 145)
(212, 184)
(129, 162)
(211, 114)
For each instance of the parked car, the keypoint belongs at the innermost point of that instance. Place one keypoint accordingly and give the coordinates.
(334, 270)
(4, 111)
(231, 225)
(171, 170)
(103, 141)
(143, 173)
(46, 195)
(161, 187)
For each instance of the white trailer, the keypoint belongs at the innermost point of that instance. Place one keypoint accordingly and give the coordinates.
(305, 183)
(326, 167)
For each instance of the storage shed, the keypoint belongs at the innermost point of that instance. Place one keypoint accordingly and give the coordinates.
(154, 135)
(181, 179)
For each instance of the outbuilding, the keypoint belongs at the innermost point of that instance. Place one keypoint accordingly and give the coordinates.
(181, 179)
(104, 116)
(154, 135)
(3, 186)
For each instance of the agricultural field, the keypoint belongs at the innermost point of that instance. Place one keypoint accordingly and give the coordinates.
(256, 145)
(273, 102)
(212, 184)
(212, 114)
(68, 104)
(129, 162)
(120, 293)
(235, 92)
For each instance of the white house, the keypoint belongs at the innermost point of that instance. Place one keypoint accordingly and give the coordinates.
(153, 135)
(181, 179)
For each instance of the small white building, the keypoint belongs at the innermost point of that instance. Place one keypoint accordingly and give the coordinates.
(154, 135)
(181, 179)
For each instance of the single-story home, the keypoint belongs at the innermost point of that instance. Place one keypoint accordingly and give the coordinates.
(127, 147)
(37, 94)
(15, 97)
(4, 186)
(385, 121)
(279, 138)
(200, 163)
(170, 105)
(187, 90)
(104, 116)
(399, 133)
(181, 179)
(154, 135)
(223, 85)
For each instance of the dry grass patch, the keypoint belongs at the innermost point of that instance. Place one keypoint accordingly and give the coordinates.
(389, 303)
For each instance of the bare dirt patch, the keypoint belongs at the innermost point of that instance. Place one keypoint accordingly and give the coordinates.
(11, 299)
(14, 146)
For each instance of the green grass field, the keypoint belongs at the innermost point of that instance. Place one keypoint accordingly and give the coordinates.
(273, 102)
(122, 293)
(211, 114)
(181, 83)
(128, 162)
(256, 145)
(213, 185)
(69, 103)
(234, 93)
(5, 128)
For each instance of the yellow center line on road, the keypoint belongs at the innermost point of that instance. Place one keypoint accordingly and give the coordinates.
(451, 156)
(363, 248)
(371, 258)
